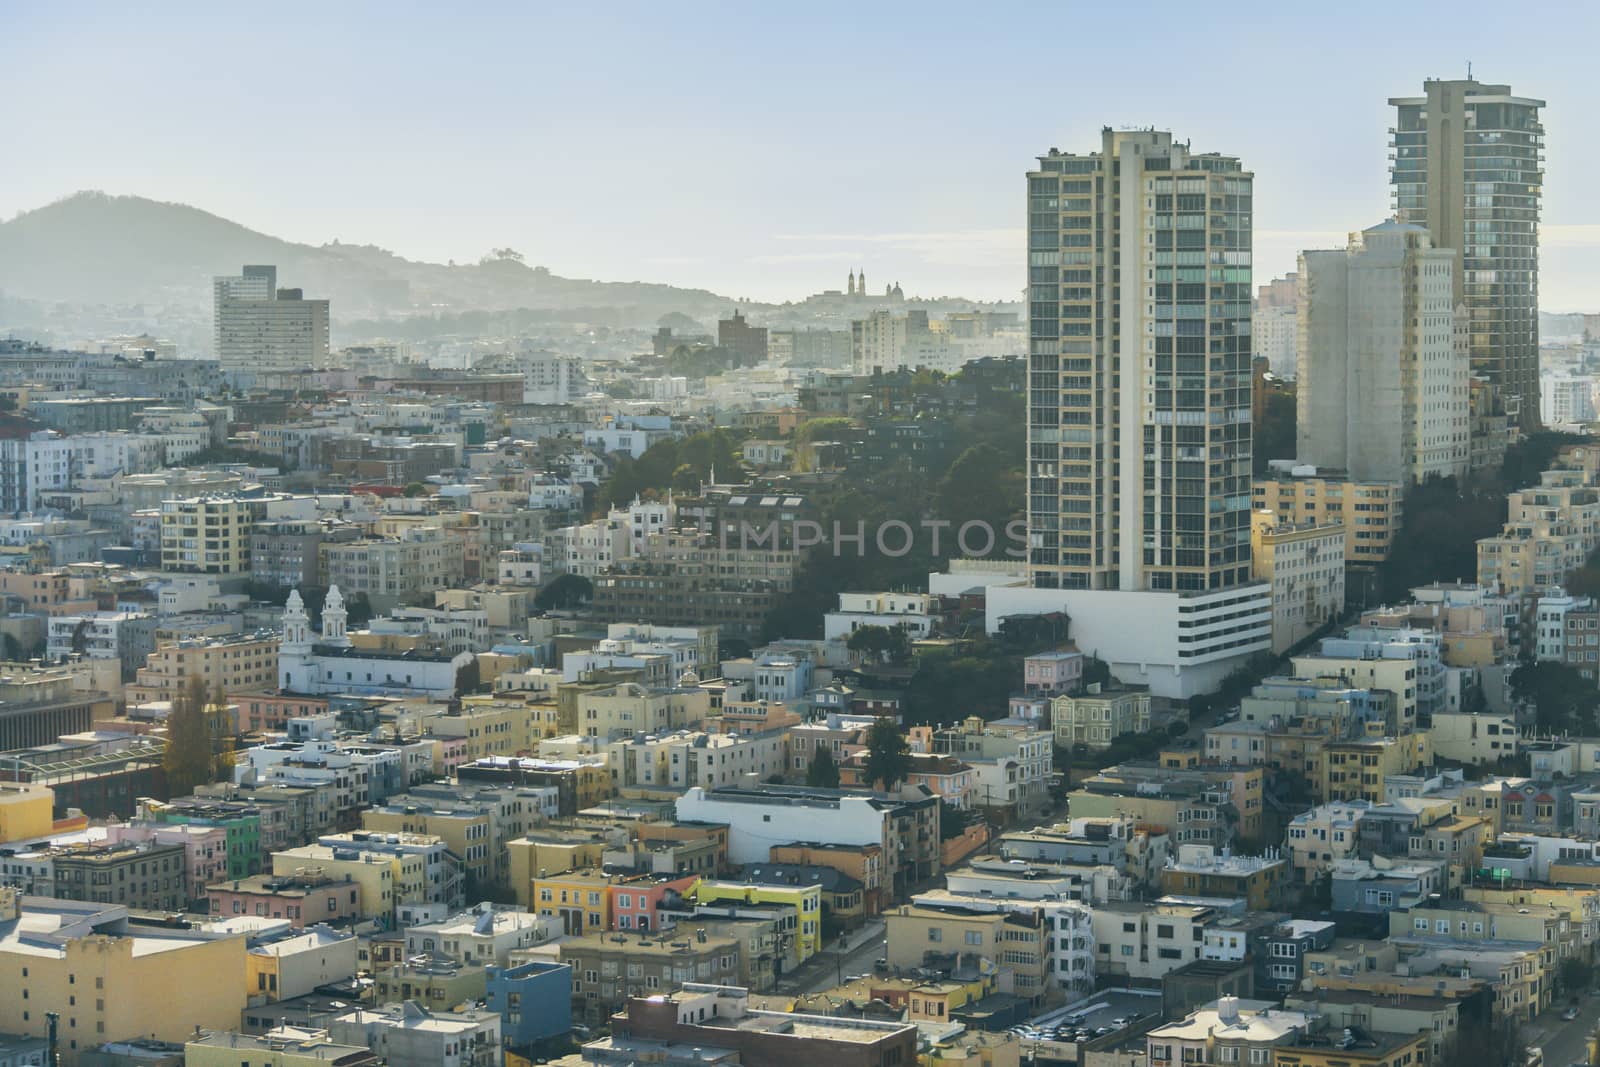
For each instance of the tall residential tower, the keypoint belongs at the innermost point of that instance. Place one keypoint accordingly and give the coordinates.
(1383, 389)
(1468, 165)
(1139, 384)
(1139, 410)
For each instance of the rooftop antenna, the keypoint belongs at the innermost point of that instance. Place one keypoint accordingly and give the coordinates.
(1469, 70)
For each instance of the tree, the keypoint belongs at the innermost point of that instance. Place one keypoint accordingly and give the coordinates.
(953, 821)
(1563, 700)
(1275, 436)
(888, 760)
(414, 489)
(889, 643)
(1575, 974)
(564, 593)
(189, 759)
(823, 771)
(983, 485)
(358, 610)
(1096, 671)
(468, 677)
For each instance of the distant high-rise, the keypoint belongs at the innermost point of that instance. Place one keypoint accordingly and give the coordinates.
(1468, 166)
(258, 326)
(1382, 389)
(737, 335)
(1139, 384)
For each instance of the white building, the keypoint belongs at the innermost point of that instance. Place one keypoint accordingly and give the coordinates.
(1566, 400)
(1273, 336)
(332, 665)
(126, 636)
(405, 1035)
(1382, 389)
(548, 378)
(521, 564)
(1177, 644)
(757, 822)
(259, 327)
(1550, 624)
(918, 613)
(485, 936)
(1406, 662)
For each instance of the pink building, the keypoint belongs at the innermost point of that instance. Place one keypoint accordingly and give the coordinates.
(1052, 673)
(304, 901)
(635, 904)
(206, 849)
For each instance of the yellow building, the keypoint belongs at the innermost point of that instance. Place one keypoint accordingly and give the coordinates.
(1369, 511)
(805, 900)
(25, 811)
(1013, 941)
(631, 709)
(1365, 1048)
(110, 981)
(466, 830)
(581, 899)
(238, 664)
(496, 726)
(207, 534)
(1355, 770)
(373, 874)
(550, 852)
(286, 1048)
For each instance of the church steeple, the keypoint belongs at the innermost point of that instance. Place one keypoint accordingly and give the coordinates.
(852, 289)
(334, 618)
(861, 285)
(296, 624)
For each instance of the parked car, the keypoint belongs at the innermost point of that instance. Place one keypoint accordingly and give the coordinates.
(1569, 1015)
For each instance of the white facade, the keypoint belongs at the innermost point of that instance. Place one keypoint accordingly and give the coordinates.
(1550, 624)
(755, 825)
(548, 378)
(1382, 390)
(1273, 335)
(1177, 644)
(258, 327)
(916, 612)
(1566, 400)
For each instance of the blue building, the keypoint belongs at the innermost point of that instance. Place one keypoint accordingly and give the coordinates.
(534, 1001)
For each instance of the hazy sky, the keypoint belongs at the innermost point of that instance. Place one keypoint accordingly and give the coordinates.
(756, 149)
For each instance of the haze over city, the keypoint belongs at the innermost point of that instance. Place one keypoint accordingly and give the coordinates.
(756, 157)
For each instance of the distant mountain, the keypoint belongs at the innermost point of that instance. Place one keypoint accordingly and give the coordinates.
(96, 249)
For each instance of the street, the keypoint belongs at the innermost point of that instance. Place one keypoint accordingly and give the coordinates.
(1564, 1043)
(823, 971)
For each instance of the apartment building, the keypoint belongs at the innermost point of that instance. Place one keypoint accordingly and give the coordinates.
(608, 968)
(1550, 530)
(1200, 806)
(113, 978)
(905, 826)
(1304, 565)
(1302, 495)
(1014, 942)
(1383, 388)
(208, 534)
(1099, 715)
(229, 664)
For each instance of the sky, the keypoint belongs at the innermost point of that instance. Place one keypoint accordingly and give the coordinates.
(759, 150)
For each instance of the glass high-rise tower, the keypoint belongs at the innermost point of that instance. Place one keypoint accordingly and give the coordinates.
(1468, 165)
(1139, 368)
